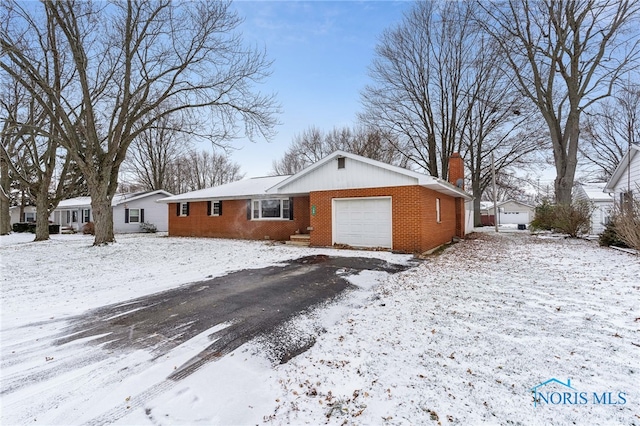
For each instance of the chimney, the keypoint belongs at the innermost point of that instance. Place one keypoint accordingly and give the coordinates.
(456, 170)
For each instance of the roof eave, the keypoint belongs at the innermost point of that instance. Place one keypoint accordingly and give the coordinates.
(617, 173)
(444, 187)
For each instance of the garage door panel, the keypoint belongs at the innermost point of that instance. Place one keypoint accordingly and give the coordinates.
(363, 222)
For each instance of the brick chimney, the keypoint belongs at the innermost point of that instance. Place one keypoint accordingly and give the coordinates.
(456, 170)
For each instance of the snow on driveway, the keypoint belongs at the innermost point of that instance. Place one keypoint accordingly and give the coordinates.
(461, 339)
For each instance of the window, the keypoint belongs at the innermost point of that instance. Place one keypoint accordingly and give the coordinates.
(134, 215)
(183, 209)
(74, 216)
(341, 161)
(29, 216)
(271, 209)
(438, 210)
(215, 208)
(86, 215)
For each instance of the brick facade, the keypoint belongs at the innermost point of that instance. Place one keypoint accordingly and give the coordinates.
(413, 210)
(415, 228)
(233, 222)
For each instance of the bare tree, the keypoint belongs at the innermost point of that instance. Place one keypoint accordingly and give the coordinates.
(208, 169)
(132, 58)
(313, 144)
(439, 89)
(565, 56)
(418, 91)
(30, 152)
(609, 130)
(154, 150)
(497, 123)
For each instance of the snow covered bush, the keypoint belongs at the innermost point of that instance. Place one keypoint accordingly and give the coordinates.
(148, 227)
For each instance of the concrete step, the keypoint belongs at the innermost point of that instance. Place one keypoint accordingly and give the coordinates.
(299, 240)
(297, 243)
(300, 237)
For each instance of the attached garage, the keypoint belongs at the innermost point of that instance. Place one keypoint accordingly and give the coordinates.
(362, 222)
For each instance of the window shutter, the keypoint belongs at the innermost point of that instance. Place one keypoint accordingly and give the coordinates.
(141, 215)
(178, 209)
(291, 208)
(126, 215)
(209, 211)
(220, 207)
(188, 209)
(248, 209)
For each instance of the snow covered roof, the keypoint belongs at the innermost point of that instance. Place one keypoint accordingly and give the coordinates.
(277, 185)
(488, 205)
(75, 203)
(421, 179)
(128, 197)
(242, 188)
(85, 202)
(595, 192)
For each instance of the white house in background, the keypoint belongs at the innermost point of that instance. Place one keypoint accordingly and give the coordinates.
(510, 212)
(625, 180)
(28, 216)
(602, 202)
(72, 213)
(129, 211)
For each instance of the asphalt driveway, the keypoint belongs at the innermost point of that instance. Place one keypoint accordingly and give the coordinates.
(250, 302)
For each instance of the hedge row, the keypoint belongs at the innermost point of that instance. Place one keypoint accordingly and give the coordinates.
(31, 227)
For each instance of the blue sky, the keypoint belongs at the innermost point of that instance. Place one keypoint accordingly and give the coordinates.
(321, 51)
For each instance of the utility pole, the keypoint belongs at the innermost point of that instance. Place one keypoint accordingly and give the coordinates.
(495, 193)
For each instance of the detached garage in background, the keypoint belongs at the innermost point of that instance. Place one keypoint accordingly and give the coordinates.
(343, 199)
(510, 212)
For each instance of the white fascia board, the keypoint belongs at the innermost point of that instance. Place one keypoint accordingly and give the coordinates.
(617, 173)
(138, 197)
(443, 187)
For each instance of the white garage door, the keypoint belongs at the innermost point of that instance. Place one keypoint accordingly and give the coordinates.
(507, 218)
(362, 222)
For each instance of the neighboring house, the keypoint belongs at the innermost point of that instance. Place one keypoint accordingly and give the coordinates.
(29, 214)
(129, 211)
(625, 180)
(72, 213)
(602, 203)
(510, 212)
(343, 199)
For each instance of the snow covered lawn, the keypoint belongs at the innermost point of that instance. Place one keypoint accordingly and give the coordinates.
(461, 339)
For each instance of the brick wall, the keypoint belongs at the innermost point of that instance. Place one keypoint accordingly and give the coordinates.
(233, 222)
(456, 169)
(414, 228)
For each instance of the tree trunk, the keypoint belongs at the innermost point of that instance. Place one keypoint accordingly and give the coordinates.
(42, 218)
(102, 214)
(566, 159)
(5, 213)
